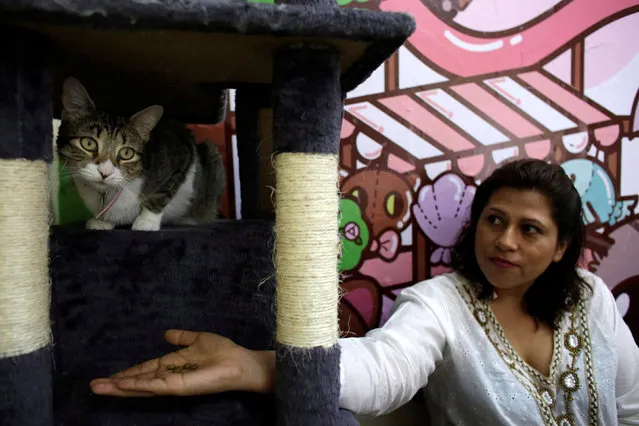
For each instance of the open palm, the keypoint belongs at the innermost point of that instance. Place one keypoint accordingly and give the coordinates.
(207, 363)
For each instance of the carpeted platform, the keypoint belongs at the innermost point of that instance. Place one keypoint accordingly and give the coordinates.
(116, 292)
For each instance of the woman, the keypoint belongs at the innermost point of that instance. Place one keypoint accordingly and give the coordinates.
(517, 335)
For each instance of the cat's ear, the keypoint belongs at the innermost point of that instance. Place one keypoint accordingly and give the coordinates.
(75, 99)
(145, 121)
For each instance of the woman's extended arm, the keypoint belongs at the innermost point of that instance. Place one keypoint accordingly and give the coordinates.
(379, 372)
(385, 369)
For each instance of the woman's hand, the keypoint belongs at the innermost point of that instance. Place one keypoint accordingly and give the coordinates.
(209, 363)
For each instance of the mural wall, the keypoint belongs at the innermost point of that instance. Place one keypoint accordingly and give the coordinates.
(480, 82)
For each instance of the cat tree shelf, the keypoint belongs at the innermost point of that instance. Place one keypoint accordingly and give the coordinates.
(179, 54)
(116, 292)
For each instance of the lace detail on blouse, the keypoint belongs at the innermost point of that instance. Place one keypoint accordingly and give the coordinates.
(571, 340)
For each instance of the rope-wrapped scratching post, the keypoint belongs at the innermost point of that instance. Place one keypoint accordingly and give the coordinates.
(25, 150)
(307, 109)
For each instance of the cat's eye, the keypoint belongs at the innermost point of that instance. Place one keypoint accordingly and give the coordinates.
(89, 144)
(126, 153)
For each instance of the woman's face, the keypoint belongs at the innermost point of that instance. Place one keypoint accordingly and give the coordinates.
(516, 239)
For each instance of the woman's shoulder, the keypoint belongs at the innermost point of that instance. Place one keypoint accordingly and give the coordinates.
(600, 301)
(441, 286)
(598, 288)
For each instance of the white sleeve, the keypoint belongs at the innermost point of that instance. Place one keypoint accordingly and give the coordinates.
(627, 383)
(384, 370)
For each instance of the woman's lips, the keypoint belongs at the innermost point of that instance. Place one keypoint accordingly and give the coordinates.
(502, 263)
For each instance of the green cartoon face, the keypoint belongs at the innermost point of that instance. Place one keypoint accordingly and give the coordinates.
(354, 234)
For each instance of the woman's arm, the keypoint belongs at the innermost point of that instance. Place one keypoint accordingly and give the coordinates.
(379, 372)
(627, 386)
(385, 369)
(627, 383)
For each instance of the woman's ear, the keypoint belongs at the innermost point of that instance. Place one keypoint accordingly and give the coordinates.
(560, 250)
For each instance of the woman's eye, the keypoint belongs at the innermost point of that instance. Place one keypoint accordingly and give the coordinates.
(494, 220)
(126, 153)
(530, 229)
(89, 144)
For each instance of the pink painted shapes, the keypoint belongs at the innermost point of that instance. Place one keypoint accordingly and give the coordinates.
(504, 154)
(439, 269)
(387, 304)
(610, 49)
(501, 15)
(389, 243)
(565, 99)
(608, 135)
(428, 97)
(472, 165)
(575, 142)
(427, 122)
(586, 259)
(362, 301)
(467, 55)
(458, 113)
(538, 149)
(561, 66)
(497, 110)
(368, 147)
(347, 129)
(389, 274)
(399, 165)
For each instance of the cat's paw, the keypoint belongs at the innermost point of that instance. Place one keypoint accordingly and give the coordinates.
(99, 225)
(143, 223)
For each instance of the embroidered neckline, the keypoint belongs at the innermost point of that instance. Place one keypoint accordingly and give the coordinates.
(514, 357)
(572, 335)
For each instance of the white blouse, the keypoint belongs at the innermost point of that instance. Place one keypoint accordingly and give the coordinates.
(441, 338)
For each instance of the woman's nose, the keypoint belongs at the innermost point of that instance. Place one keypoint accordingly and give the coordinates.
(507, 240)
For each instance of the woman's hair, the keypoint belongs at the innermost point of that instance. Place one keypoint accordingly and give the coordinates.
(560, 286)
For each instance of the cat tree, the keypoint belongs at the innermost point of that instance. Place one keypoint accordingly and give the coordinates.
(78, 304)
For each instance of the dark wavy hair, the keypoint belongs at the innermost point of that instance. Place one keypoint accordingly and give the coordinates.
(560, 286)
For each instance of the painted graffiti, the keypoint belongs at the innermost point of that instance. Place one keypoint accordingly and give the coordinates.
(485, 84)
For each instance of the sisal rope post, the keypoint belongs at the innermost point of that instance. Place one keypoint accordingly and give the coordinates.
(307, 249)
(24, 272)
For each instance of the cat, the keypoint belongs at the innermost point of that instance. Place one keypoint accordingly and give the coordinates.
(144, 171)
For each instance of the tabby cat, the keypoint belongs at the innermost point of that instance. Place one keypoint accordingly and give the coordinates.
(145, 171)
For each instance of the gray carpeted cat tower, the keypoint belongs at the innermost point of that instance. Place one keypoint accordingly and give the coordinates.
(78, 304)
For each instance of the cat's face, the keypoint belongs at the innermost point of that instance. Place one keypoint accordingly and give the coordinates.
(100, 149)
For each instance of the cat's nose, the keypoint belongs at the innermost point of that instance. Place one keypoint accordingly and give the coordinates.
(105, 169)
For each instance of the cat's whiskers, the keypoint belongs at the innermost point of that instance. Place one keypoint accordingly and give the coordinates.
(69, 173)
(68, 170)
